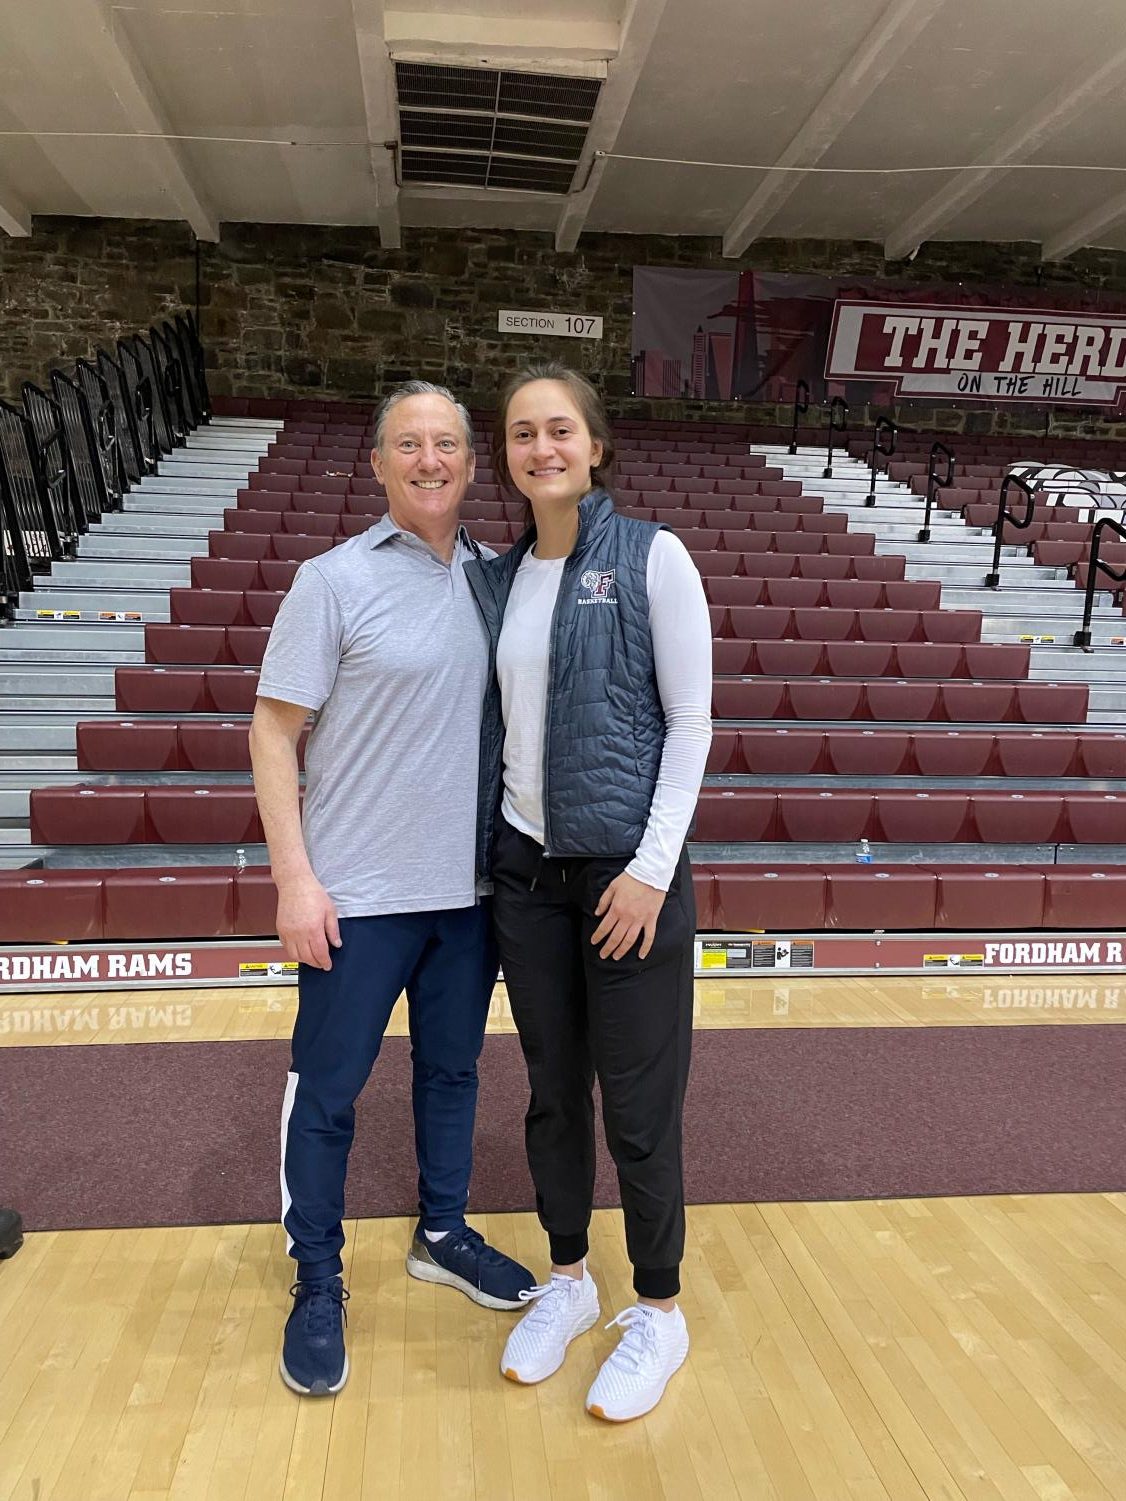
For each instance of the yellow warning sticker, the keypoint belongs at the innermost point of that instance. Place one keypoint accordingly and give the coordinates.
(282, 970)
(713, 959)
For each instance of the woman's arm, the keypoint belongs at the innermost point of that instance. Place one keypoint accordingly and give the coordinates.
(682, 653)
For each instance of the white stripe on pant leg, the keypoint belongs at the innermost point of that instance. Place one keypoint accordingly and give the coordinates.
(287, 1111)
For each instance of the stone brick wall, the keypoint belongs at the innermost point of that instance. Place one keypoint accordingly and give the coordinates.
(320, 311)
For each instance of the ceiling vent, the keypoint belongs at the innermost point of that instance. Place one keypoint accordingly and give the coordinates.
(490, 128)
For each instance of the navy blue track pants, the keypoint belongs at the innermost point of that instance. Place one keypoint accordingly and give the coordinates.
(447, 964)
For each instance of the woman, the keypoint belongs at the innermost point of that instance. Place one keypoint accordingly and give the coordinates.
(595, 736)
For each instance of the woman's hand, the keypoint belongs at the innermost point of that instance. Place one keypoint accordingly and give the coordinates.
(627, 908)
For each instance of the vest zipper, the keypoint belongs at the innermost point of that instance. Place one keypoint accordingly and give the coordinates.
(550, 700)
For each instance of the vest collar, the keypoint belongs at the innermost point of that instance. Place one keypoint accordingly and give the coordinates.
(595, 510)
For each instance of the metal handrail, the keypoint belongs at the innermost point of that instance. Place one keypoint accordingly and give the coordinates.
(838, 411)
(1010, 482)
(801, 406)
(934, 484)
(883, 425)
(1096, 566)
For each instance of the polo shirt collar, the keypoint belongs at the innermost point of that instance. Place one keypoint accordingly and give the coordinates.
(384, 529)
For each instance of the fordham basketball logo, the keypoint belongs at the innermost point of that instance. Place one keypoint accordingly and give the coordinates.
(599, 585)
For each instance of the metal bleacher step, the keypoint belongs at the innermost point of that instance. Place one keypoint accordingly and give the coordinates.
(151, 604)
(129, 547)
(129, 573)
(61, 636)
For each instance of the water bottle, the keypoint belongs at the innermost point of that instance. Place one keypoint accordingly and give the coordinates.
(864, 853)
(240, 859)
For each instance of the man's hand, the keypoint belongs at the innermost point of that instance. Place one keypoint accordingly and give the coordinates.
(627, 908)
(307, 923)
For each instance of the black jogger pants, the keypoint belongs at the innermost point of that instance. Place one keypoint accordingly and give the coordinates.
(628, 1021)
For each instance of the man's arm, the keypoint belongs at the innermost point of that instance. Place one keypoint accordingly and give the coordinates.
(307, 921)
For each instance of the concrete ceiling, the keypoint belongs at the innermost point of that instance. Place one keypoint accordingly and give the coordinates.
(285, 111)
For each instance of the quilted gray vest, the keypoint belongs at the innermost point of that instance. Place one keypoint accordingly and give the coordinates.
(605, 726)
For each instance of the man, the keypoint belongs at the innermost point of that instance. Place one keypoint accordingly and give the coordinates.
(381, 640)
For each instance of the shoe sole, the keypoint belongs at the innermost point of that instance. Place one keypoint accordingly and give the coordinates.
(629, 1417)
(510, 1374)
(319, 1388)
(427, 1271)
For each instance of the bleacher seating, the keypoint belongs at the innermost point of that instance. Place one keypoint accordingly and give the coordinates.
(852, 702)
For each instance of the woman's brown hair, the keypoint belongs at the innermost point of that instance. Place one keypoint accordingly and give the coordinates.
(586, 398)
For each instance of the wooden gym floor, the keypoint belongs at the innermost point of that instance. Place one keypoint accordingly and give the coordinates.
(920, 1350)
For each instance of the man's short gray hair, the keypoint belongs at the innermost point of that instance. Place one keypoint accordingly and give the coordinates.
(419, 388)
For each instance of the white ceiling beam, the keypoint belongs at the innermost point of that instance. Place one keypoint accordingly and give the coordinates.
(1084, 231)
(880, 50)
(378, 79)
(639, 26)
(113, 54)
(1071, 101)
(15, 216)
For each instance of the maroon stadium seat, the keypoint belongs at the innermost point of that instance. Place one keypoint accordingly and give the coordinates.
(1052, 703)
(703, 889)
(723, 754)
(791, 593)
(824, 698)
(876, 753)
(790, 899)
(164, 903)
(855, 594)
(859, 659)
(815, 816)
(232, 691)
(256, 903)
(160, 690)
(748, 700)
(734, 817)
(88, 815)
(901, 898)
(996, 660)
(733, 656)
(1094, 817)
(978, 703)
(923, 817)
(952, 753)
(224, 573)
(261, 606)
(128, 745)
(825, 625)
(202, 645)
(969, 898)
(207, 607)
(781, 752)
(951, 625)
(275, 574)
(215, 745)
(790, 658)
(887, 625)
(45, 906)
(1033, 754)
(203, 815)
(1102, 755)
(922, 659)
(1075, 897)
(1017, 817)
(246, 644)
(741, 592)
(758, 623)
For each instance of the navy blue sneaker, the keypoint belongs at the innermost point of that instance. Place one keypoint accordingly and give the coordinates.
(314, 1361)
(464, 1260)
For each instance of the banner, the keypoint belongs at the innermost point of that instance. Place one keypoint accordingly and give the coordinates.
(989, 353)
(750, 336)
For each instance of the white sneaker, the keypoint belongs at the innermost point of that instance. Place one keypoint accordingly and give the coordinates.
(561, 1309)
(632, 1380)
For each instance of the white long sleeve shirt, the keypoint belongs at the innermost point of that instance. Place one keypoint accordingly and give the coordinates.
(682, 653)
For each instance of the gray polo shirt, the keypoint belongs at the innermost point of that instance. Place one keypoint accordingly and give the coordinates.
(383, 640)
